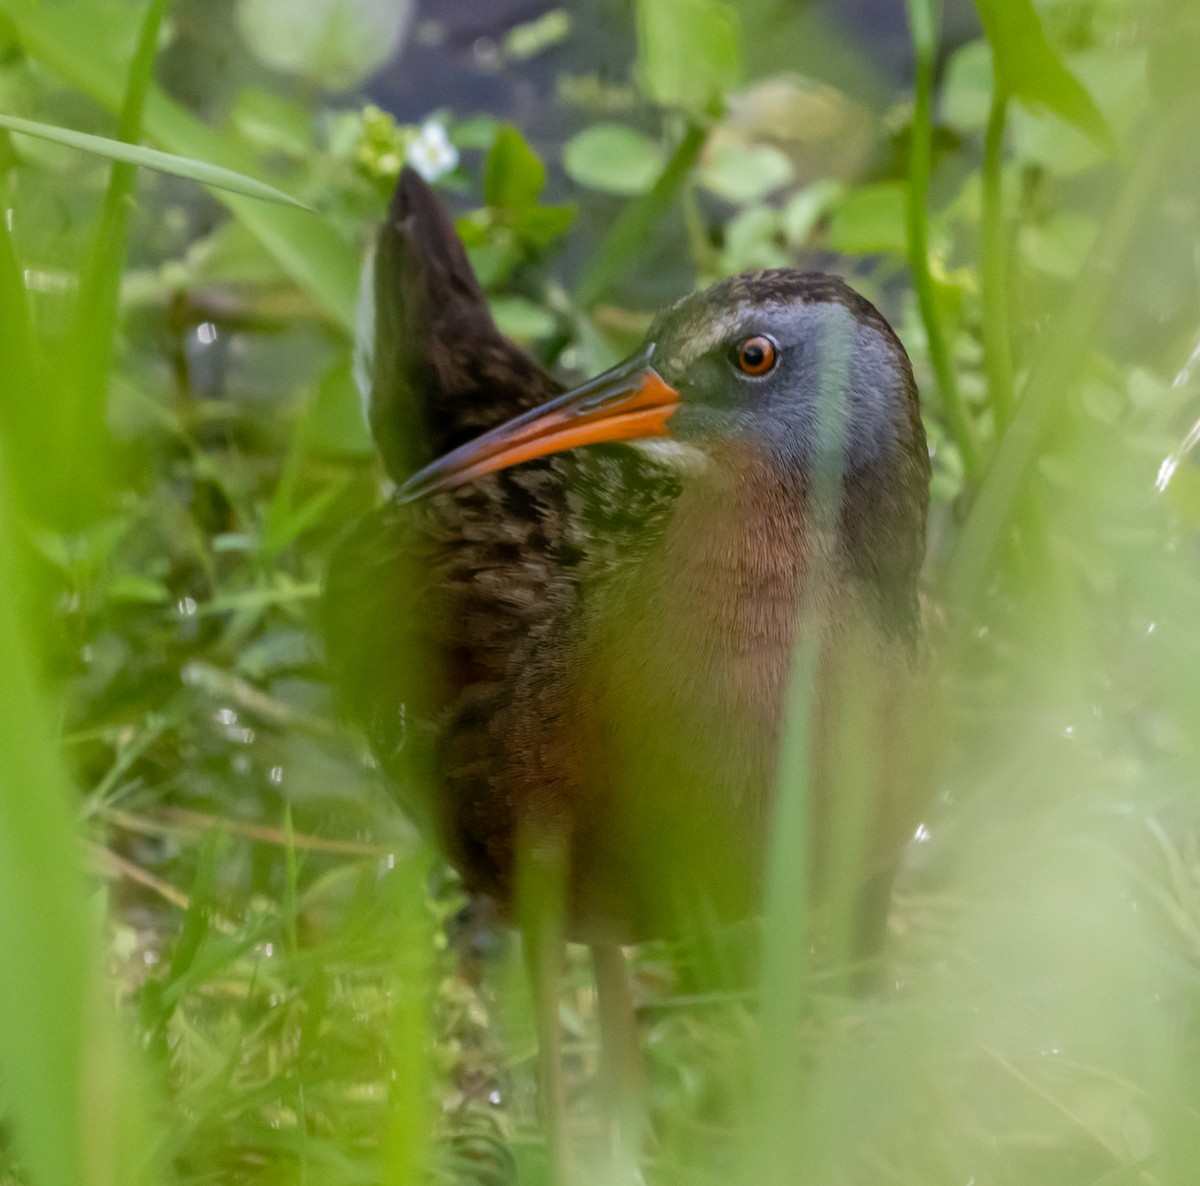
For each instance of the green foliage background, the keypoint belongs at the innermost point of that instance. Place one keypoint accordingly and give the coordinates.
(223, 956)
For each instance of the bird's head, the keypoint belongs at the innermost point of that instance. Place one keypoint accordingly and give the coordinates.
(795, 366)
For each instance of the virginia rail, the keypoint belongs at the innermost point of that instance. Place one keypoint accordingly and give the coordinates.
(576, 618)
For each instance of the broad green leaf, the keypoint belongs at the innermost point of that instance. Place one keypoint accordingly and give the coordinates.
(521, 319)
(742, 173)
(515, 174)
(613, 159)
(83, 44)
(752, 241)
(336, 423)
(871, 219)
(689, 51)
(1118, 80)
(480, 131)
(492, 262)
(805, 208)
(540, 225)
(150, 158)
(966, 96)
(1039, 138)
(1029, 68)
(335, 43)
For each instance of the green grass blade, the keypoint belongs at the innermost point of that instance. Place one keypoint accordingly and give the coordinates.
(291, 883)
(21, 423)
(81, 44)
(924, 19)
(1028, 67)
(308, 249)
(407, 1139)
(81, 427)
(997, 338)
(1057, 369)
(784, 974)
(197, 923)
(633, 229)
(151, 158)
(45, 944)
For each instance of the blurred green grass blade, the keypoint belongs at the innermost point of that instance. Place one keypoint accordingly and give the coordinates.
(1029, 68)
(151, 158)
(14, 311)
(291, 882)
(45, 942)
(197, 922)
(407, 1143)
(20, 414)
(784, 972)
(924, 20)
(996, 247)
(1058, 367)
(287, 515)
(82, 45)
(80, 469)
(622, 246)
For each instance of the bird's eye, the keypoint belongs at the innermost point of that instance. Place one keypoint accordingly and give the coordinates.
(756, 355)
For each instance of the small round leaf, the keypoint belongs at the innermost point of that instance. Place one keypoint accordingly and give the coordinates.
(613, 159)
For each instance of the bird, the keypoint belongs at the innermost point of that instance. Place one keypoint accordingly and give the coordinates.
(572, 628)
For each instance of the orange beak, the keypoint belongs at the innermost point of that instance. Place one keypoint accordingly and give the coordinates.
(630, 402)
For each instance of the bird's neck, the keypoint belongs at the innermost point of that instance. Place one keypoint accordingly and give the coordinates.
(748, 545)
(740, 563)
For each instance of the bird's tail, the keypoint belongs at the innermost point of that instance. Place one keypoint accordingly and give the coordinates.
(441, 371)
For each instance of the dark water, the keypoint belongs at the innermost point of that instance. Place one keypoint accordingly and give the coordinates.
(453, 59)
(448, 59)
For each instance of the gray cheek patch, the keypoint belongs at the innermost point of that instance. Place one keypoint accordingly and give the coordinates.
(853, 383)
(873, 395)
(843, 391)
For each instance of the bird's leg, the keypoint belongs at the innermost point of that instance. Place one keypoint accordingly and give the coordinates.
(622, 1074)
(540, 914)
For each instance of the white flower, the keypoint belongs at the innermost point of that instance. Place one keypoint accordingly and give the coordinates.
(430, 151)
